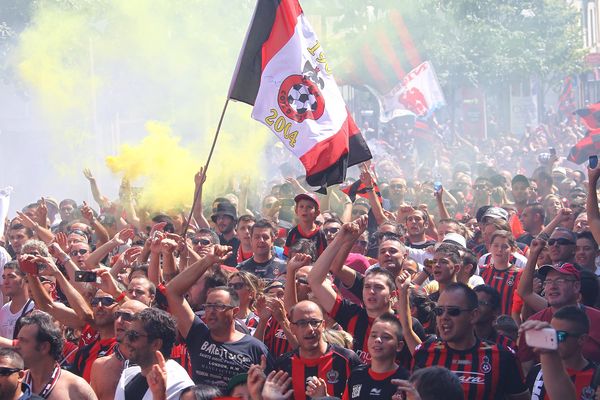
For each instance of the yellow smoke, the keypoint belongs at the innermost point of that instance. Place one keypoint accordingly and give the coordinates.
(101, 70)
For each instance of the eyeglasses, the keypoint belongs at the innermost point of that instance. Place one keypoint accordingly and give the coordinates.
(557, 282)
(203, 242)
(564, 335)
(105, 301)
(216, 307)
(4, 371)
(80, 252)
(237, 285)
(452, 311)
(303, 323)
(133, 336)
(125, 316)
(331, 231)
(560, 242)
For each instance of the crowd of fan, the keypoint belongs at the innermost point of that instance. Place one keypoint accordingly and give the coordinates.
(408, 291)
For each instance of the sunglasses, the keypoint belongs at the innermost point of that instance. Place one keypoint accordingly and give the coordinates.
(216, 307)
(331, 230)
(133, 336)
(560, 242)
(303, 323)
(125, 316)
(564, 335)
(105, 301)
(80, 252)
(4, 371)
(452, 311)
(302, 281)
(203, 242)
(237, 285)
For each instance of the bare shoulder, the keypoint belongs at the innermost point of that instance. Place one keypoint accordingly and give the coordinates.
(77, 386)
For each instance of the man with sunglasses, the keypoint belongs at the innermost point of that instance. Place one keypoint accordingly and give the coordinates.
(203, 239)
(314, 358)
(486, 370)
(12, 371)
(79, 252)
(148, 341)
(562, 287)
(572, 326)
(106, 371)
(217, 350)
(562, 244)
(40, 344)
(263, 263)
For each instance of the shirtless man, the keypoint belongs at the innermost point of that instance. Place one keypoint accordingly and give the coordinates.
(106, 371)
(44, 376)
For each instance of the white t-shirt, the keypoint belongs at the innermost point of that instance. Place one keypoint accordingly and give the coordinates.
(8, 319)
(4, 258)
(177, 380)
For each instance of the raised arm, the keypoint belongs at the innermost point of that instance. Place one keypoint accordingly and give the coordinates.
(98, 255)
(403, 285)
(368, 180)
(179, 285)
(198, 212)
(525, 287)
(42, 233)
(290, 295)
(439, 201)
(101, 200)
(564, 214)
(593, 213)
(101, 232)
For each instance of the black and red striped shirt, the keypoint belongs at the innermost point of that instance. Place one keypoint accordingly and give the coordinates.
(85, 356)
(355, 320)
(581, 379)
(295, 234)
(275, 339)
(364, 383)
(505, 282)
(486, 371)
(333, 367)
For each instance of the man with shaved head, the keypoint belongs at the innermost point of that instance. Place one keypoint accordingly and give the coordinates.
(307, 365)
(106, 371)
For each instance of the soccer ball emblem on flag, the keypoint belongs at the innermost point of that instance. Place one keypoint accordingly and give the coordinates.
(300, 97)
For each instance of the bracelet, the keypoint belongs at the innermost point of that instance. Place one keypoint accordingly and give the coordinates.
(121, 297)
(66, 260)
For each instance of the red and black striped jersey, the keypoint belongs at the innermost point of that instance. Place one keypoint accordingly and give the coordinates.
(486, 371)
(364, 383)
(333, 367)
(581, 379)
(355, 320)
(505, 282)
(180, 354)
(85, 356)
(275, 339)
(295, 234)
(502, 340)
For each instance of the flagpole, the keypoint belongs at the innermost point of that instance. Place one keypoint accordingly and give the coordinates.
(212, 149)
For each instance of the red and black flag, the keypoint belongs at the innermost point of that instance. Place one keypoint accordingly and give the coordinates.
(586, 147)
(590, 116)
(284, 73)
(358, 188)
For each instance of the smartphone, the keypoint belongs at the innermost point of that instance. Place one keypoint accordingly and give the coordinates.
(28, 266)
(543, 338)
(85, 276)
(552, 151)
(593, 160)
(437, 186)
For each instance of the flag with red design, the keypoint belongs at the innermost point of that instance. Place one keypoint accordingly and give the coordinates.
(586, 147)
(284, 73)
(590, 116)
(358, 188)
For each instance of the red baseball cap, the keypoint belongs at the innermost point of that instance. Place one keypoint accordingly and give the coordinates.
(563, 268)
(308, 196)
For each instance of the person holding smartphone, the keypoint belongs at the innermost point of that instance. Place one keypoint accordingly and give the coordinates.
(571, 326)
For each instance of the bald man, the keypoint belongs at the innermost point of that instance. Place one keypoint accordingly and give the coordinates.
(334, 362)
(106, 371)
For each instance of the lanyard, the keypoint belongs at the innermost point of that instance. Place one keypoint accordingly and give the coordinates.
(51, 383)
